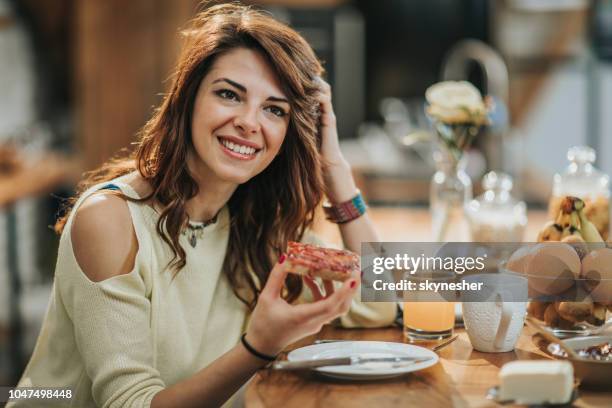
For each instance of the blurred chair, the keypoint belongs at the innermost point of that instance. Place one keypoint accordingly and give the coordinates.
(457, 65)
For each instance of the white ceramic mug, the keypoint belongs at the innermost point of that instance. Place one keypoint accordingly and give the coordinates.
(494, 323)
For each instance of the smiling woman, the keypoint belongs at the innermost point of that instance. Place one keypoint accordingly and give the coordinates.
(238, 127)
(169, 255)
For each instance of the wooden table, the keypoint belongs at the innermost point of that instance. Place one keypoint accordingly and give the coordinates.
(460, 379)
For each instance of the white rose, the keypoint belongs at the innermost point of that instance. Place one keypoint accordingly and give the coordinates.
(456, 102)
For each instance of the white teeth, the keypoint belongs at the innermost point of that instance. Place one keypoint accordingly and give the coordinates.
(238, 148)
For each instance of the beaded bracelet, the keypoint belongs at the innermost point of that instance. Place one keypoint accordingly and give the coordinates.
(346, 211)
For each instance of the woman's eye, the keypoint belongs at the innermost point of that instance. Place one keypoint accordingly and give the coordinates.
(275, 110)
(227, 94)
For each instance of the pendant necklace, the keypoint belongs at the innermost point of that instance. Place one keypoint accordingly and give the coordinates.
(195, 230)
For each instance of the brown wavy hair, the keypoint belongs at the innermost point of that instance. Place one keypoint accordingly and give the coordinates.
(273, 207)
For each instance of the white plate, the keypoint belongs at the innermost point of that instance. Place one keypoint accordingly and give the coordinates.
(367, 371)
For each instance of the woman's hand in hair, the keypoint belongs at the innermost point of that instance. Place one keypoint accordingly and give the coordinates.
(330, 147)
(275, 323)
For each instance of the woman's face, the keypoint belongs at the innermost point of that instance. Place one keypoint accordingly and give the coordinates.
(240, 118)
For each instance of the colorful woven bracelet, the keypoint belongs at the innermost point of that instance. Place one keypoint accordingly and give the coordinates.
(346, 211)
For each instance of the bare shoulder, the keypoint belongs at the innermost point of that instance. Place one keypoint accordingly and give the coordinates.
(103, 237)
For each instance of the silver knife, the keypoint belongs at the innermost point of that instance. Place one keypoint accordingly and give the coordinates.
(353, 360)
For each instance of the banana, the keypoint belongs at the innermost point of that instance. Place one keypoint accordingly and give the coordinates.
(570, 231)
(567, 217)
(588, 230)
(551, 232)
(567, 223)
(578, 243)
(575, 222)
(567, 220)
(564, 219)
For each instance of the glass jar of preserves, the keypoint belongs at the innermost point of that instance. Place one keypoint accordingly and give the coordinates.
(496, 216)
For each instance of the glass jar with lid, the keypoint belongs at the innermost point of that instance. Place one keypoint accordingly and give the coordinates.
(496, 216)
(583, 180)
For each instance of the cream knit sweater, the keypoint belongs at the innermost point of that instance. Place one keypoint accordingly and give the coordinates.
(118, 342)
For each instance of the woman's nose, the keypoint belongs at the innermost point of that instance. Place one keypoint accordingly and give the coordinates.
(247, 120)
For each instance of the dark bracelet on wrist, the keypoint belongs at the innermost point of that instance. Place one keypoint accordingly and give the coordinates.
(254, 352)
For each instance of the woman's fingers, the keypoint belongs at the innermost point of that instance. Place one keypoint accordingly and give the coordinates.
(331, 306)
(327, 109)
(276, 280)
(314, 288)
(329, 287)
(344, 301)
(324, 96)
(324, 87)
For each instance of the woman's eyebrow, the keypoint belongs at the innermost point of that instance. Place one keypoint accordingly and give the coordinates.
(277, 99)
(243, 89)
(232, 83)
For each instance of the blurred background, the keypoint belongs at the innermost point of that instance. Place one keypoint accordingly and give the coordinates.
(79, 78)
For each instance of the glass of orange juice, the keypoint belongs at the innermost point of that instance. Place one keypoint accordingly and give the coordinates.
(429, 315)
(424, 321)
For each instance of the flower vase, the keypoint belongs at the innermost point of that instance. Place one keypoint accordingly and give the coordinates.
(451, 187)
